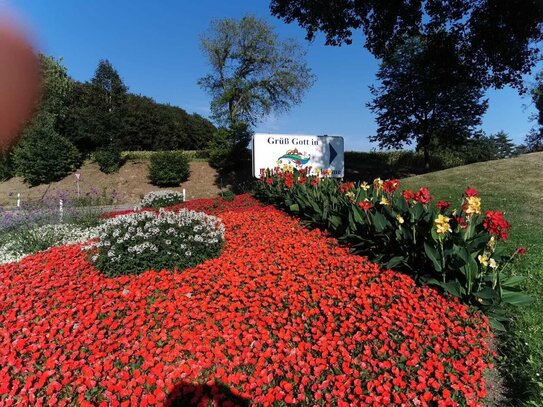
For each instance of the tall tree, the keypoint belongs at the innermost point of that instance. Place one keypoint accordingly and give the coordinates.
(254, 73)
(534, 139)
(427, 95)
(498, 38)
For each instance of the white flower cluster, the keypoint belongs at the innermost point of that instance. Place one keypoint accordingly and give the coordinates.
(54, 235)
(141, 232)
(160, 198)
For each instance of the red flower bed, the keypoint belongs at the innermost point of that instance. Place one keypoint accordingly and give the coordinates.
(283, 315)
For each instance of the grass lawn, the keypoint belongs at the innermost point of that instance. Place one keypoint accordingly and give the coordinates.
(514, 186)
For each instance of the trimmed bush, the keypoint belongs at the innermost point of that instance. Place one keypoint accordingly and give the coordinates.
(168, 168)
(109, 160)
(160, 199)
(140, 241)
(44, 156)
(6, 166)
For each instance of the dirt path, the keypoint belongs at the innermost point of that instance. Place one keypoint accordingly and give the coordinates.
(130, 184)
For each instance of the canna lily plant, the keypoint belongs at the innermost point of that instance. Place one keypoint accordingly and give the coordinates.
(456, 249)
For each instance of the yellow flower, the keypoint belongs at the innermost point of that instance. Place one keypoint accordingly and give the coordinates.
(483, 259)
(317, 170)
(400, 219)
(442, 224)
(350, 196)
(384, 201)
(472, 205)
(378, 184)
(365, 186)
(492, 264)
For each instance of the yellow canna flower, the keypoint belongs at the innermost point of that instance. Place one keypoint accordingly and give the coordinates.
(384, 201)
(472, 205)
(483, 259)
(400, 219)
(365, 186)
(378, 184)
(442, 224)
(492, 264)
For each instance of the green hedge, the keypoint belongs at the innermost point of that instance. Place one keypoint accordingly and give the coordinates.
(168, 168)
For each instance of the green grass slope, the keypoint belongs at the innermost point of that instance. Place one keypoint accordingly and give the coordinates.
(514, 186)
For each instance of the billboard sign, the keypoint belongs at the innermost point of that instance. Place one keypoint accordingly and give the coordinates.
(321, 153)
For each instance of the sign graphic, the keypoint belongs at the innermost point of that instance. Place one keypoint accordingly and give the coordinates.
(321, 153)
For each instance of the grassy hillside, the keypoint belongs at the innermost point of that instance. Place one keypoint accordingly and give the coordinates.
(514, 186)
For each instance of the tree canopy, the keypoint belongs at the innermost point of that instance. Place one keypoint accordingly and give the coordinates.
(497, 37)
(253, 72)
(426, 95)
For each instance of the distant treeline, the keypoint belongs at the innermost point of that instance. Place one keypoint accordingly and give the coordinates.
(139, 123)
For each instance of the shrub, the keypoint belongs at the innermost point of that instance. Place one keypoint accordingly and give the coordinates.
(44, 156)
(160, 199)
(228, 145)
(6, 166)
(228, 195)
(455, 249)
(136, 242)
(168, 168)
(109, 160)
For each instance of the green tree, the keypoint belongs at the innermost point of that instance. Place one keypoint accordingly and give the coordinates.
(497, 38)
(534, 139)
(254, 73)
(43, 156)
(505, 148)
(426, 95)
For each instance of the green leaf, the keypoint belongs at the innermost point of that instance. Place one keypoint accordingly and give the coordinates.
(487, 293)
(294, 208)
(393, 262)
(433, 255)
(496, 325)
(516, 298)
(453, 288)
(513, 281)
(379, 221)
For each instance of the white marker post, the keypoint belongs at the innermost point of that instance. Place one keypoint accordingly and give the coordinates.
(77, 176)
(18, 199)
(61, 209)
(184, 195)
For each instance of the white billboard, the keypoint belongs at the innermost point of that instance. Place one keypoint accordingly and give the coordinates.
(301, 151)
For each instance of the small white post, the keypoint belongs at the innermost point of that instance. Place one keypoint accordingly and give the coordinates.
(184, 195)
(77, 176)
(18, 199)
(61, 209)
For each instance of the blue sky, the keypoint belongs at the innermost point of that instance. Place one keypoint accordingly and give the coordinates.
(155, 47)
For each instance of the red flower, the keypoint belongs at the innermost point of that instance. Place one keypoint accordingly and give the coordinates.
(289, 180)
(408, 194)
(314, 181)
(345, 187)
(390, 186)
(423, 196)
(302, 180)
(521, 251)
(269, 181)
(496, 225)
(366, 205)
(470, 192)
(442, 205)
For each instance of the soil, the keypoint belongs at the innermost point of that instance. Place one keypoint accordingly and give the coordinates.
(129, 184)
